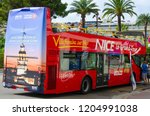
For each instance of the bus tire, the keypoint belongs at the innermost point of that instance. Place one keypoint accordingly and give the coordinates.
(86, 85)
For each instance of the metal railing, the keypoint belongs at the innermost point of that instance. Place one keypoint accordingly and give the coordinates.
(97, 31)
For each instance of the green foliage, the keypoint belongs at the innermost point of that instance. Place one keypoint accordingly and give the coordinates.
(117, 8)
(123, 27)
(1, 60)
(143, 19)
(2, 41)
(148, 50)
(57, 7)
(83, 7)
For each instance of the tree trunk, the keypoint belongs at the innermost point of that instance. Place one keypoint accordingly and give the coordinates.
(145, 36)
(83, 21)
(119, 23)
(96, 23)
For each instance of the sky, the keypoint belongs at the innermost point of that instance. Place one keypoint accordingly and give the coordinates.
(142, 6)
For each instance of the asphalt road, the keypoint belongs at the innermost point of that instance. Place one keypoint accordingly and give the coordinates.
(121, 92)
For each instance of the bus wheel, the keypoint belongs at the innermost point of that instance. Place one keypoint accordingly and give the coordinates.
(86, 85)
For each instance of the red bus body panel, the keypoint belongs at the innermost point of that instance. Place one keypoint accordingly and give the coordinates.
(68, 81)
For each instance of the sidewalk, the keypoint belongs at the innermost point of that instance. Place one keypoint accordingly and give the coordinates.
(137, 94)
(140, 95)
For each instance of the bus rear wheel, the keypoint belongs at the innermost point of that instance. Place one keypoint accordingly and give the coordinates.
(86, 85)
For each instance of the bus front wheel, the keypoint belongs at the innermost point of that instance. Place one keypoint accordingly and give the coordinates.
(86, 85)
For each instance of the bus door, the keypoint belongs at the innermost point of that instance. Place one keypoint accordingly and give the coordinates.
(102, 69)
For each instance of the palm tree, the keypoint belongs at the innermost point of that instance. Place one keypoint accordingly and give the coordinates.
(144, 19)
(96, 15)
(118, 8)
(83, 7)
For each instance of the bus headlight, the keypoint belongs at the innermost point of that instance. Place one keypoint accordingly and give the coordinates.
(39, 81)
(15, 79)
(3, 84)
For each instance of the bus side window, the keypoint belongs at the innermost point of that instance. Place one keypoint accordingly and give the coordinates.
(73, 64)
(115, 60)
(88, 60)
(69, 61)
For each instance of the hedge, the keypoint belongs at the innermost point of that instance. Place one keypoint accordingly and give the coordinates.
(1, 60)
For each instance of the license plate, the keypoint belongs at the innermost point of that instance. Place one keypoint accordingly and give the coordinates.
(21, 81)
(20, 89)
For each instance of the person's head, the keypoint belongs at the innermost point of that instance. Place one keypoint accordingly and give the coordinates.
(113, 33)
(145, 62)
(72, 25)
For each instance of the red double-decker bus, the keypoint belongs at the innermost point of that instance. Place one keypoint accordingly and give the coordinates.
(39, 60)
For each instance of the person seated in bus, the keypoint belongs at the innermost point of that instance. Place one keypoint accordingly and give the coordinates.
(80, 28)
(114, 35)
(144, 67)
(72, 27)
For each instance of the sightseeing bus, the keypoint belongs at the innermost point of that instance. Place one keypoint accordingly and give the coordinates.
(39, 60)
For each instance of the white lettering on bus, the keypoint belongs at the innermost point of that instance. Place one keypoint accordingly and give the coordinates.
(66, 75)
(104, 45)
(111, 46)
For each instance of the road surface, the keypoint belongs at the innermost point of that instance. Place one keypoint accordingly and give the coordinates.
(121, 92)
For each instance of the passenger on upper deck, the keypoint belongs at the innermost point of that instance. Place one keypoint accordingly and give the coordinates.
(114, 35)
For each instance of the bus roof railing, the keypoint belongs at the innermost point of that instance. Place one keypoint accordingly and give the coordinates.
(130, 33)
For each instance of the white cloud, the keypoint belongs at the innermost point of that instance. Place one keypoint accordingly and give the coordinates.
(142, 6)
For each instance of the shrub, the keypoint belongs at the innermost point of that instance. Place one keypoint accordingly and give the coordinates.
(2, 40)
(1, 60)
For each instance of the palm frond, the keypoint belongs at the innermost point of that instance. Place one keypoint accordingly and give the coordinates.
(143, 19)
(118, 8)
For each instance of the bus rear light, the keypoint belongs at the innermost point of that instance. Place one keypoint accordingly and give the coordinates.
(13, 87)
(15, 79)
(26, 89)
(3, 84)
